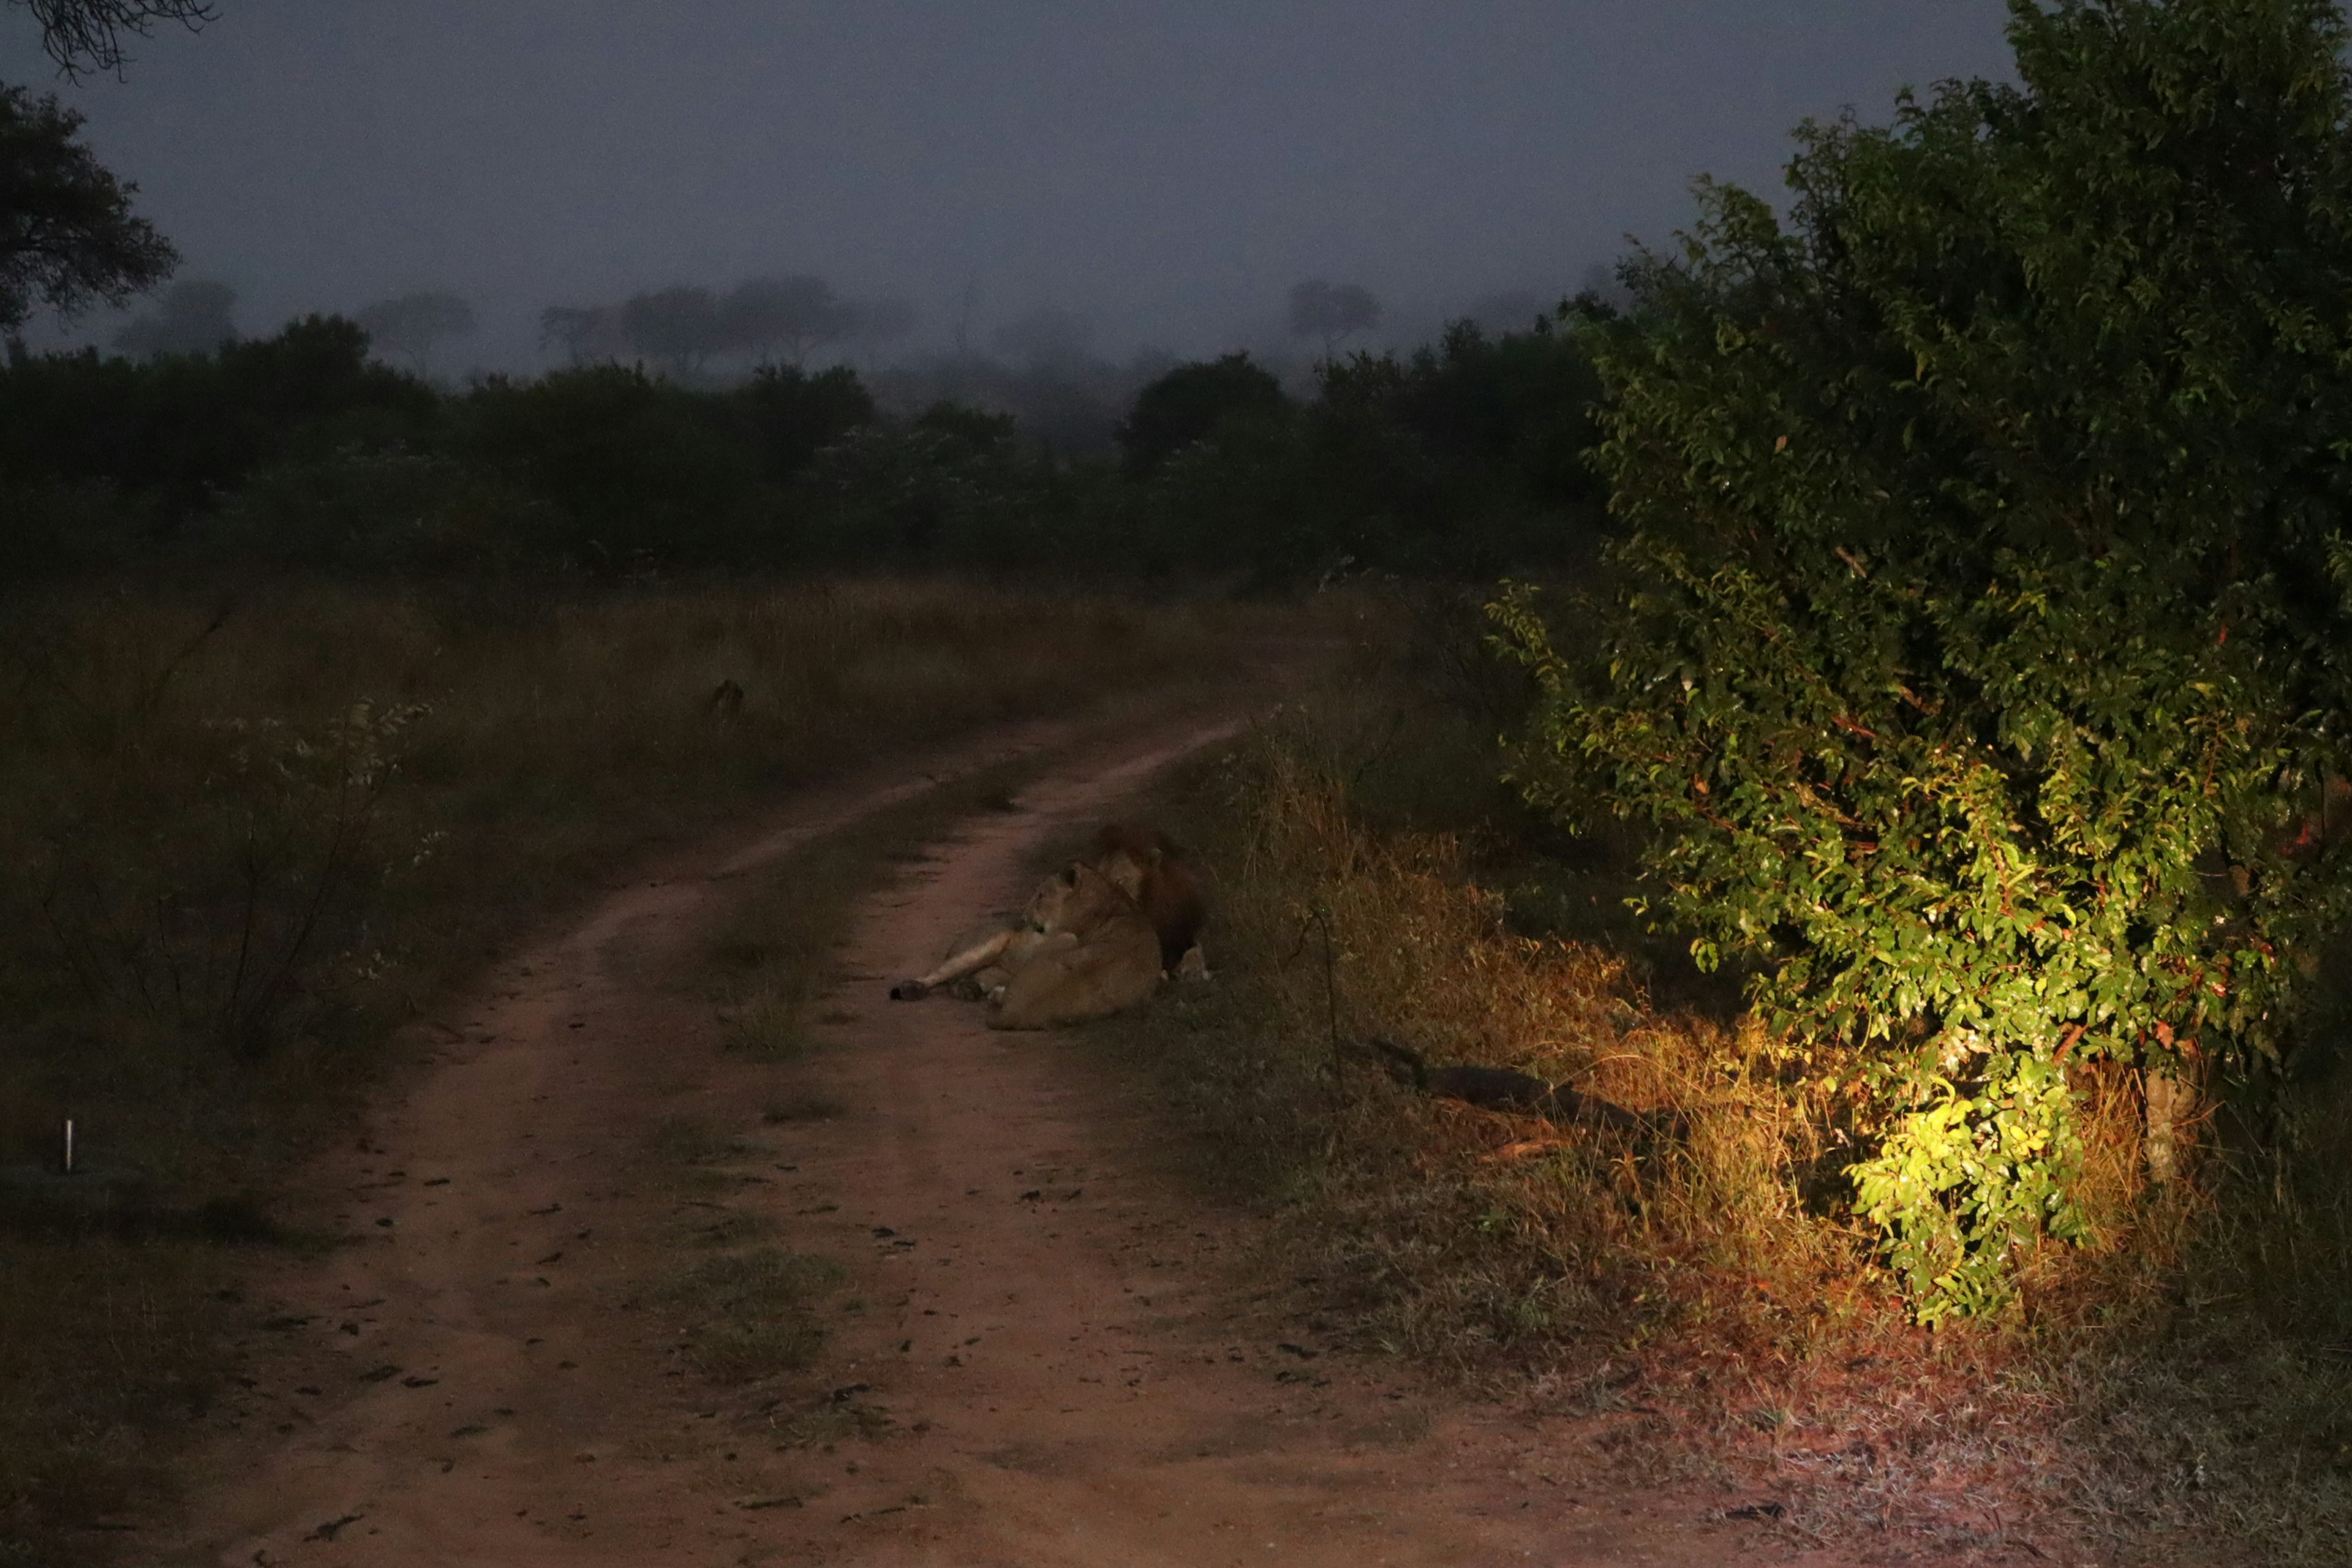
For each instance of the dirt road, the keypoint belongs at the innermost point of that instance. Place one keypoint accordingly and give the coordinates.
(1031, 1361)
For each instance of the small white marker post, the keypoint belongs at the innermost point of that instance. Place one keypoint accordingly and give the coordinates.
(68, 1145)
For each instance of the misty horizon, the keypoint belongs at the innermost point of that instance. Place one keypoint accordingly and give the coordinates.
(1158, 175)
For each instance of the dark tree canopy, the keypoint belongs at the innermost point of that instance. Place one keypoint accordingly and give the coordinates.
(87, 35)
(67, 237)
(1190, 403)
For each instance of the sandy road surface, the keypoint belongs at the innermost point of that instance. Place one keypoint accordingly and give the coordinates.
(1031, 1363)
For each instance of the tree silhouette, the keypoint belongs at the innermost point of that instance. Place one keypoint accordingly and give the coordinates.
(585, 331)
(411, 324)
(795, 313)
(1190, 403)
(677, 327)
(192, 317)
(68, 238)
(87, 35)
(1331, 311)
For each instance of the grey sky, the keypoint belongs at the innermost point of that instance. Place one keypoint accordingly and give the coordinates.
(1165, 167)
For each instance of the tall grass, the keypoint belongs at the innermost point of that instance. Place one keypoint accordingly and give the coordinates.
(244, 835)
(1705, 1300)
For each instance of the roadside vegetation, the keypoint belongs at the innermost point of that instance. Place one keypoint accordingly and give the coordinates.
(1704, 1297)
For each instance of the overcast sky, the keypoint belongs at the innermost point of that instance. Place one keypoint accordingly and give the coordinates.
(1168, 168)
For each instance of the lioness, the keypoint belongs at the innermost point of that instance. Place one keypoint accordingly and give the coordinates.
(1082, 951)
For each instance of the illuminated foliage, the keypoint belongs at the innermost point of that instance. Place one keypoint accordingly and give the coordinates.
(1975, 653)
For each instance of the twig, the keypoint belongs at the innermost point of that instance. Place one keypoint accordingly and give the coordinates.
(154, 692)
(1330, 993)
(1320, 915)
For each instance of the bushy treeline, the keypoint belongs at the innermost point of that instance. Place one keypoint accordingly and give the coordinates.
(297, 451)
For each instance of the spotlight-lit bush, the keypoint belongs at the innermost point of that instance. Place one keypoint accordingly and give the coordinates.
(1976, 654)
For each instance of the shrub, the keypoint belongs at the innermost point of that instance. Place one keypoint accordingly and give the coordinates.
(633, 470)
(790, 415)
(1975, 659)
(1191, 404)
(953, 486)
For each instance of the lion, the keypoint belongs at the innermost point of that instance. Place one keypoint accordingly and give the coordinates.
(1082, 951)
(1151, 870)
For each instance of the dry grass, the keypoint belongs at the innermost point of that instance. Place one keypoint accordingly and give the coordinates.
(236, 848)
(751, 1315)
(1704, 1302)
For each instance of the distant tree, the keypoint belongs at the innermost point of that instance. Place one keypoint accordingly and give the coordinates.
(192, 317)
(1189, 404)
(1046, 338)
(881, 321)
(411, 324)
(967, 300)
(1331, 311)
(677, 327)
(87, 35)
(795, 314)
(68, 238)
(584, 332)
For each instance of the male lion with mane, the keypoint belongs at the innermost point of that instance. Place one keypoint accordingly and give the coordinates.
(1151, 869)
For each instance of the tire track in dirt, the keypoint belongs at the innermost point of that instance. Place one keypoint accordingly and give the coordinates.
(1043, 1370)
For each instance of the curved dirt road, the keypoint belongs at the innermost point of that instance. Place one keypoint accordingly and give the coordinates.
(1029, 1363)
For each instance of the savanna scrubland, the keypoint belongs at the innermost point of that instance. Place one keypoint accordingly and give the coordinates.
(1873, 703)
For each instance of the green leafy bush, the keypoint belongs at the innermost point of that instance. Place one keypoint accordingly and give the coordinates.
(1976, 657)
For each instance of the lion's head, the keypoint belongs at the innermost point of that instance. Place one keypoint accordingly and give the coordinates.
(1077, 898)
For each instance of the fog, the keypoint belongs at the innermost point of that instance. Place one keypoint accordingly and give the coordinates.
(1162, 173)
